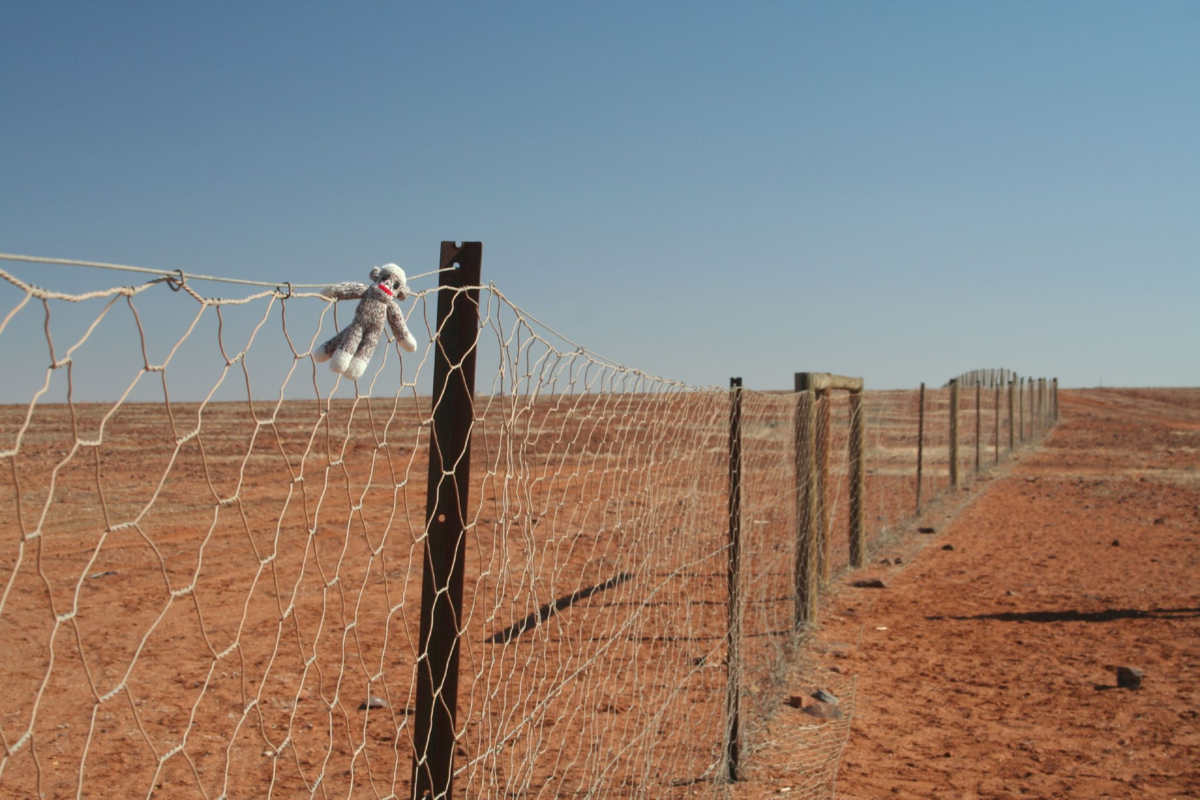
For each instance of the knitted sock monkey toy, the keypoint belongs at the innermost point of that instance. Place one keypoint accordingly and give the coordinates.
(353, 346)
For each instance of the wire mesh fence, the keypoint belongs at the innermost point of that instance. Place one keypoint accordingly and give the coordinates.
(221, 597)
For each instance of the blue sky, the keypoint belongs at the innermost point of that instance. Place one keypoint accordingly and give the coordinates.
(901, 191)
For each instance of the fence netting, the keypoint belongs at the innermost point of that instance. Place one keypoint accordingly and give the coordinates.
(219, 595)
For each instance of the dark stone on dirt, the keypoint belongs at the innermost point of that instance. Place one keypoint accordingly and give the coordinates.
(886, 561)
(925, 530)
(1160, 521)
(947, 547)
(1129, 678)
(822, 711)
(1116, 542)
(105, 574)
(869, 583)
(373, 702)
(824, 697)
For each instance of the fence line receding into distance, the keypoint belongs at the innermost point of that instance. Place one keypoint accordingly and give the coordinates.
(499, 566)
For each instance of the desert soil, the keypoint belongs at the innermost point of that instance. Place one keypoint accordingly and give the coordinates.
(988, 669)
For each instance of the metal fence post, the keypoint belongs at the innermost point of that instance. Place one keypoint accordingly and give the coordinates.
(920, 441)
(954, 434)
(805, 451)
(734, 669)
(1012, 431)
(446, 504)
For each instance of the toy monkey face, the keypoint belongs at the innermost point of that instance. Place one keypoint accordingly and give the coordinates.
(390, 280)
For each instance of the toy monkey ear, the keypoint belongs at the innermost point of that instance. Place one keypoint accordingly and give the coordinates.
(376, 274)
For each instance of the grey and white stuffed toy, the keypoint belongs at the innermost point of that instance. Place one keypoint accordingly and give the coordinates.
(352, 348)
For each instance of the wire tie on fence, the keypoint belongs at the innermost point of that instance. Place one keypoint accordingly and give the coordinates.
(268, 559)
(287, 612)
(184, 591)
(29, 537)
(66, 616)
(173, 751)
(227, 651)
(113, 693)
(21, 742)
(249, 706)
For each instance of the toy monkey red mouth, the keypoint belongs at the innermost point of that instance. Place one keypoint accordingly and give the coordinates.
(384, 288)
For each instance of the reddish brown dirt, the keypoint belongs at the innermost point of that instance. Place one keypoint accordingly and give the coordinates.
(988, 670)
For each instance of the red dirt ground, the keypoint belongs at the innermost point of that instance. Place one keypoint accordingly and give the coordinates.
(988, 670)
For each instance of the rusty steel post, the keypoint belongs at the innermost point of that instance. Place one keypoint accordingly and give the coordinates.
(920, 441)
(978, 425)
(954, 434)
(734, 672)
(446, 500)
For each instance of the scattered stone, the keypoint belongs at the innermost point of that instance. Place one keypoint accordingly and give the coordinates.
(373, 702)
(825, 697)
(836, 670)
(897, 560)
(869, 583)
(1116, 542)
(104, 574)
(886, 561)
(1160, 521)
(822, 711)
(925, 530)
(1011, 593)
(800, 701)
(947, 547)
(1129, 678)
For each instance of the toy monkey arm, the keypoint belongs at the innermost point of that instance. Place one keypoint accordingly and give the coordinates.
(399, 329)
(346, 291)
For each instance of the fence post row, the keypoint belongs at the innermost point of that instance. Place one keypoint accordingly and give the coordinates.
(1012, 431)
(920, 441)
(446, 501)
(734, 670)
(805, 451)
(954, 433)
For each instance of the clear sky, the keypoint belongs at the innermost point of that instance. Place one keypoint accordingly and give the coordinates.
(900, 190)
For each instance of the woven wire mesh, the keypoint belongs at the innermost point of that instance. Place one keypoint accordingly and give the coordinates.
(219, 597)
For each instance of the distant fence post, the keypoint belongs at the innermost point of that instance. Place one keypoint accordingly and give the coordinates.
(805, 451)
(996, 448)
(978, 424)
(857, 476)
(954, 433)
(1012, 431)
(920, 441)
(734, 670)
(446, 501)
(1056, 400)
(1021, 409)
(824, 424)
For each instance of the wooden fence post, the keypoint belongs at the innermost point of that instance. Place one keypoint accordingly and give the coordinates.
(805, 450)
(734, 670)
(1056, 400)
(446, 501)
(954, 434)
(857, 476)
(920, 441)
(978, 424)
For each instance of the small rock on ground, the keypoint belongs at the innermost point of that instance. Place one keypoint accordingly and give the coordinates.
(1129, 678)
(869, 583)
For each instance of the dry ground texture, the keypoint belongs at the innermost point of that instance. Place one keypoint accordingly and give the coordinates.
(987, 670)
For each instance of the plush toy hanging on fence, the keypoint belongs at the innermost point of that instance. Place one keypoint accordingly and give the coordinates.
(352, 348)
